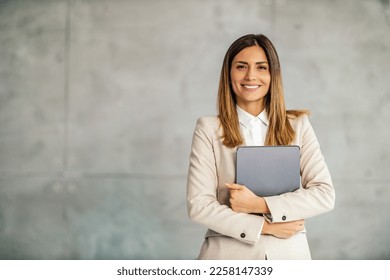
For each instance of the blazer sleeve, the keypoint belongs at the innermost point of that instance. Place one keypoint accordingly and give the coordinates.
(202, 202)
(317, 194)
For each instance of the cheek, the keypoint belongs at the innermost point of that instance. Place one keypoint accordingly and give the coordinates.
(265, 76)
(236, 76)
(234, 83)
(266, 80)
(234, 87)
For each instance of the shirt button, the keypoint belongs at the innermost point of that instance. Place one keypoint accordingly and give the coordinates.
(242, 235)
(284, 218)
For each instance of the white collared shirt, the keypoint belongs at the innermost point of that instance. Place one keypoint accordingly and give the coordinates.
(254, 129)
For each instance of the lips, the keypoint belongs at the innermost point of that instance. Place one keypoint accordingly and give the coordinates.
(251, 86)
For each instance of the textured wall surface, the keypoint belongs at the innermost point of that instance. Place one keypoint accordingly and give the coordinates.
(98, 102)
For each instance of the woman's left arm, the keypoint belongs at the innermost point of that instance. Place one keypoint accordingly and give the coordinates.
(317, 195)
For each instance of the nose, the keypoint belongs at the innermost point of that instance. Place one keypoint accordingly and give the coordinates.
(250, 75)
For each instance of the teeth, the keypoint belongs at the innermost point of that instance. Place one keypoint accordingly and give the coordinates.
(247, 86)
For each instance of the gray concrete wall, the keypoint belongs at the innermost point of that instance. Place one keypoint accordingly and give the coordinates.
(98, 102)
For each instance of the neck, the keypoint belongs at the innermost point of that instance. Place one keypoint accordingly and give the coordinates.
(253, 108)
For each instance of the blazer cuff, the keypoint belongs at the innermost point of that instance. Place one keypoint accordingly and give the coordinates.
(277, 212)
(249, 230)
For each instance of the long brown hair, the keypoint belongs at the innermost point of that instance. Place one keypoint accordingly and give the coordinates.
(280, 131)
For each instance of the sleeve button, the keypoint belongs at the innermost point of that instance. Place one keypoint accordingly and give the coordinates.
(242, 235)
(284, 218)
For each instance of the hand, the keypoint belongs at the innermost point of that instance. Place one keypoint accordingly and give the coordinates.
(283, 230)
(243, 200)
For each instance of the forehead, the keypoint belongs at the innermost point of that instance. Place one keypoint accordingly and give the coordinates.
(251, 54)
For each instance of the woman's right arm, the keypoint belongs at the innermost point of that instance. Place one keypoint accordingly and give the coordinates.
(203, 206)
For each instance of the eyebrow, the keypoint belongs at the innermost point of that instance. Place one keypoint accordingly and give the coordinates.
(246, 63)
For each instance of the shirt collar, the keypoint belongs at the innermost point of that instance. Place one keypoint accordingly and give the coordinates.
(245, 118)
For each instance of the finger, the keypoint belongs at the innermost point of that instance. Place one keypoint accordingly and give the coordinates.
(233, 186)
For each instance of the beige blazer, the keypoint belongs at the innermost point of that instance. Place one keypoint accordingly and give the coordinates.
(234, 235)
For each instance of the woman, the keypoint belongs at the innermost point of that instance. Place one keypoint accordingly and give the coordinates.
(252, 111)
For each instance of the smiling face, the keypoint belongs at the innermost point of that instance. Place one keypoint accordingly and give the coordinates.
(250, 78)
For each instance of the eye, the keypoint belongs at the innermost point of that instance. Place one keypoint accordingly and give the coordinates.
(240, 66)
(262, 67)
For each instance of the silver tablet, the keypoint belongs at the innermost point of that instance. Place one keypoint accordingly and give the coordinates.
(268, 170)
